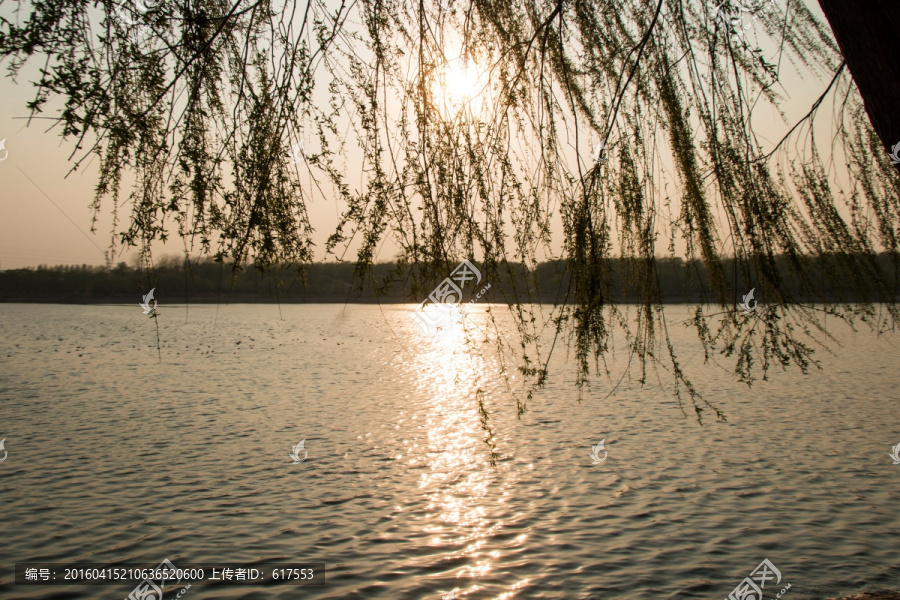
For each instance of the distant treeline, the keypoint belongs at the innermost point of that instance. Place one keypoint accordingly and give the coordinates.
(829, 277)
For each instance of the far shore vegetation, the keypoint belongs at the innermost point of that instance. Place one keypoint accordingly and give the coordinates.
(550, 282)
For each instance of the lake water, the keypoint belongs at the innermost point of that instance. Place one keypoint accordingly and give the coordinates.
(118, 453)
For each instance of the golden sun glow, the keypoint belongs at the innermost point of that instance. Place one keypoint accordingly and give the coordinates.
(460, 85)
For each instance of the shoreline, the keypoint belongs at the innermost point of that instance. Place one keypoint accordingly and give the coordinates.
(250, 299)
(882, 595)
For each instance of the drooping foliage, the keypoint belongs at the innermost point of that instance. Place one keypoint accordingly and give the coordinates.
(511, 131)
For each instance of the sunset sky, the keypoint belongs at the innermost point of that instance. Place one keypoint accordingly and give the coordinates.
(46, 210)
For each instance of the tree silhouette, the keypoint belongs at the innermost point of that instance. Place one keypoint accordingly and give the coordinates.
(865, 33)
(498, 131)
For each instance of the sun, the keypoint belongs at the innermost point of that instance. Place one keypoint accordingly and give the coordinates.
(460, 85)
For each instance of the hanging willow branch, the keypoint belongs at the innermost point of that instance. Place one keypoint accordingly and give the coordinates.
(202, 101)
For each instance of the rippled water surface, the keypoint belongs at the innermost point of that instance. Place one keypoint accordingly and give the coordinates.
(119, 452)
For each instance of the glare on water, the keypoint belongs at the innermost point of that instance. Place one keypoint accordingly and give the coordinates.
(116, 454)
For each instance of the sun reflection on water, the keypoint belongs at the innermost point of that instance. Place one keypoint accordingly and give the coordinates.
(461, 489)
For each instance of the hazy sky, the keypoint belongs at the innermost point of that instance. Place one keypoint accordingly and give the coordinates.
(46, 217)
